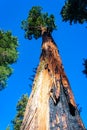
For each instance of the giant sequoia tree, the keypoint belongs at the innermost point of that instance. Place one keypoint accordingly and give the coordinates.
(8, 55)
(37, 23)
(51, 105)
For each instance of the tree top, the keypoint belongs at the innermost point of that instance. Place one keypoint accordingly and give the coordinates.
(37, 23)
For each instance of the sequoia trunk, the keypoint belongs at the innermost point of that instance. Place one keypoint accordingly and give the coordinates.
(51, 105)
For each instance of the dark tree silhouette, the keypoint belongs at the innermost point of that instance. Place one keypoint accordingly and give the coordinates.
(74, 11)
(85, 67)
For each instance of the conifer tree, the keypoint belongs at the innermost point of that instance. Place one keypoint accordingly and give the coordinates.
(8, 55)
(85, 67)
(8, 128)
(20, 108)
(75, 11)
(51, 105)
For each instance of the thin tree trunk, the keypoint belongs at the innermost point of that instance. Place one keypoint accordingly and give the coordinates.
(51, 105)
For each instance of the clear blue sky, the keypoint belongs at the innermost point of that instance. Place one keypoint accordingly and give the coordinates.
(72, 44)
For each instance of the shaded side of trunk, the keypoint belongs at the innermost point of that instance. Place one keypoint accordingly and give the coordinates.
(64, 116)
(51, 105)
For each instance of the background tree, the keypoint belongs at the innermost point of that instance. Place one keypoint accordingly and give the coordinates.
(8, 55)
(20, 108)
(85, 67)
(75, 11)
(8, 127)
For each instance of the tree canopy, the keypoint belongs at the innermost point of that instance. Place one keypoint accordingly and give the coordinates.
(75, 11)
(8, 55)
(36, 22)
(20, 108)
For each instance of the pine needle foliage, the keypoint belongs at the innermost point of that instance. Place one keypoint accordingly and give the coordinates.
(8, 55)
(20, 108)
(74, 11)
(85, 67)
(36, 21)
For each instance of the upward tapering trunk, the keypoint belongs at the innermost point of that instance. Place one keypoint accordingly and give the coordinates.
(51, 105)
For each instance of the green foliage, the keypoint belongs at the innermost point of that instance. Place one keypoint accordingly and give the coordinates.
(8, 128)
(5, 72)
(75, 11)
(8, 55)
(35, 23)
(21, 105)
(85, 67)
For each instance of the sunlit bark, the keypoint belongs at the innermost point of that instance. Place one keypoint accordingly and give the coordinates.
(51, 105)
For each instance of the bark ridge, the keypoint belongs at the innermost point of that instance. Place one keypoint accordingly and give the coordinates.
(51, 105)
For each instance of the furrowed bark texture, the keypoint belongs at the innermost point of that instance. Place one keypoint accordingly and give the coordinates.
(51, 105)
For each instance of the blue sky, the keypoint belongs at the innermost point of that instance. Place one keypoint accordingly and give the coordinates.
(71, 42)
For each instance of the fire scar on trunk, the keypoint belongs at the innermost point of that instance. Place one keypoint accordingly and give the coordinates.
(56, 70)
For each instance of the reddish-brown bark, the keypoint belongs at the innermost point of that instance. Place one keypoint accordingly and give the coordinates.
(51, 105)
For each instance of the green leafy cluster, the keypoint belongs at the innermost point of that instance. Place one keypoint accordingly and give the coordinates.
(85, 67)
(75, 11)
(21, 105)
(8, 55)
(36, 21)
